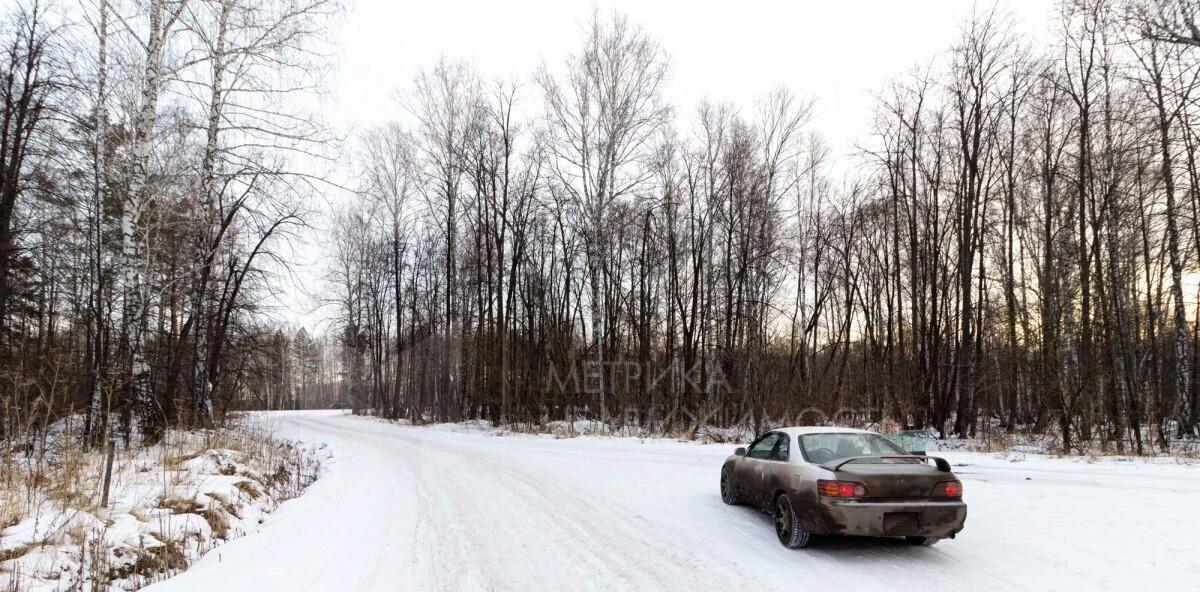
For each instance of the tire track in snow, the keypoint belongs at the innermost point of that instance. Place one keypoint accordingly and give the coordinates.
(406, 508)
(508, 508)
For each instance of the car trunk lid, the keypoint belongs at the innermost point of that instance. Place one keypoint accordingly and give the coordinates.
(894, 480)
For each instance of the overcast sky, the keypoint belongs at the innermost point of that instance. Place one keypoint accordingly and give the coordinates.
(842, 53)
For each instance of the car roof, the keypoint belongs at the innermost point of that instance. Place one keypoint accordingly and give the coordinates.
(802, 430)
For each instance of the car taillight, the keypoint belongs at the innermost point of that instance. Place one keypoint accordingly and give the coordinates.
(841, 488)
(948, 489)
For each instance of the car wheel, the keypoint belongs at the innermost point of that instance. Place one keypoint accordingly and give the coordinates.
(728, 493)
(922, 541)
(787, 526)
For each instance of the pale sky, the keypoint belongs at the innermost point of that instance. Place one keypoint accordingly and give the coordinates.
(841, 53)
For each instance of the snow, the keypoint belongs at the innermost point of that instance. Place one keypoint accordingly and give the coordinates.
(410, 508)
(165, 510)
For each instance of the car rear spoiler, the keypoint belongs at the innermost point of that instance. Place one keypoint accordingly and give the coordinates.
(942, 464)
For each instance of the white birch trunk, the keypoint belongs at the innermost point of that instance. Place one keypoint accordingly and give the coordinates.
(205, 249)
(96, 407)
(133, 263)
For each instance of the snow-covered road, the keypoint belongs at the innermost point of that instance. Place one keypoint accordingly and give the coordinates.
(404, 508)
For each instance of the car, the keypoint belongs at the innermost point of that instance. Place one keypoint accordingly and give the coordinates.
(842, 481)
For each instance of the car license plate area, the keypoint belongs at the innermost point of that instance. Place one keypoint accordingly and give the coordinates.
(901, 522)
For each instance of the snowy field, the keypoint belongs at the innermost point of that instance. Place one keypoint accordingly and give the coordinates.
(404, 508)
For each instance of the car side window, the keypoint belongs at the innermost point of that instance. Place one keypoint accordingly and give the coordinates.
(764, 446)
(781, 448)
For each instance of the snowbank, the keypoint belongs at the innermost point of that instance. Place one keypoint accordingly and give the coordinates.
(169, 504)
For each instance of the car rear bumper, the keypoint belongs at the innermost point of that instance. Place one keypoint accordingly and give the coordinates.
(894, 518)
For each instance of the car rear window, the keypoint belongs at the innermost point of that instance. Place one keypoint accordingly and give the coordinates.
(821, 448)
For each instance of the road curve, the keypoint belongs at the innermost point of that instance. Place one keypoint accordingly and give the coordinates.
(404, 508)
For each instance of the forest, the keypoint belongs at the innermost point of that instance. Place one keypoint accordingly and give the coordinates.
(148, 186)
(1011, 253)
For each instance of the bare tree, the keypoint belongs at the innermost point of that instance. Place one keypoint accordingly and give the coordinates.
(602, 114)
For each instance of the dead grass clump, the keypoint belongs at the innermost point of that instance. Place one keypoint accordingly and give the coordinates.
(12, 508)
(249, 488)
(281, 475)
(13, 553)
(180, 505)
(218, 520)
(175, 462)
(222, 503)
(71, 484)
(170, 557)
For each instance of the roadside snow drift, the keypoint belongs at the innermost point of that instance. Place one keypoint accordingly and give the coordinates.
(404, 508)
(169, 504)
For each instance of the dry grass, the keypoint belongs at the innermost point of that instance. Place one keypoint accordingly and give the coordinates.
(217, 514)
(249, 488)
(181, 506)
(13, 553)
(59, 472)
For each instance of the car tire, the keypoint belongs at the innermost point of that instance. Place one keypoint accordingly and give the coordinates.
(787, 525)
(918, 541)
(728, 490)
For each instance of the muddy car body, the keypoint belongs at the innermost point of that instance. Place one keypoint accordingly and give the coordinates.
(818, 481)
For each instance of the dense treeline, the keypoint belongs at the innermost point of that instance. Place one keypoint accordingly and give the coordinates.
(145, 192)
(1014, 252)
